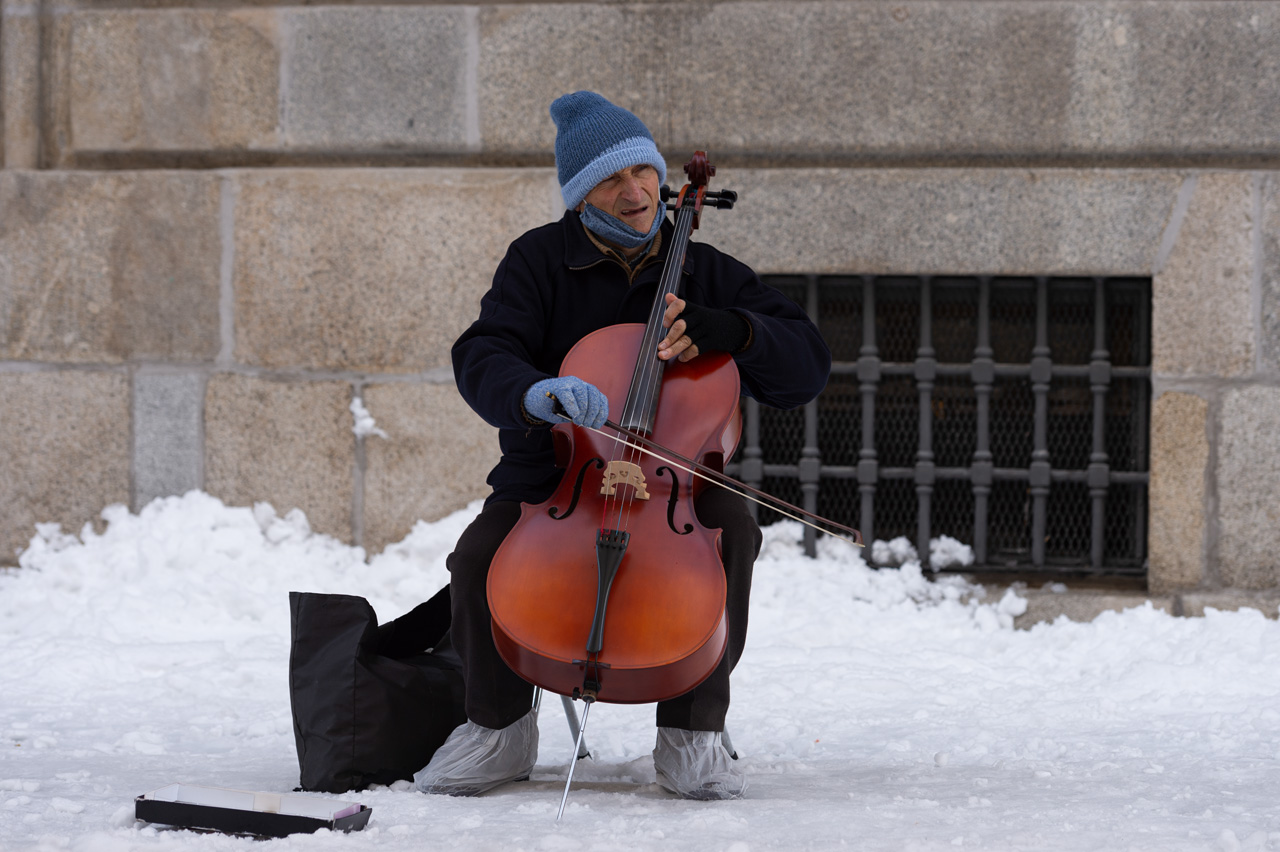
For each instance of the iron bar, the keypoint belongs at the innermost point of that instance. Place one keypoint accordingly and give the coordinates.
(1040, 376)
(869, 380)
(810, 460)
(983, 373)
(1100, 381)
(926, 371)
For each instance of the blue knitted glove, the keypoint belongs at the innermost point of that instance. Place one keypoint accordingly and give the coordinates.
(584, 404)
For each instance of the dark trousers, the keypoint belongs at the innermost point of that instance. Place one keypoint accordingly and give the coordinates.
(497, 696)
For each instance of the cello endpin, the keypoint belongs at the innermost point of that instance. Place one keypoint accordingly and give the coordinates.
(573, 761)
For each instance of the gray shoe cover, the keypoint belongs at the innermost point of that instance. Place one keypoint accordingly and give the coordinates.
(475, 759)
(695, 765)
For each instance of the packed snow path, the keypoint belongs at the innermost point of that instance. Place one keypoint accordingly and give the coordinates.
(873, 710)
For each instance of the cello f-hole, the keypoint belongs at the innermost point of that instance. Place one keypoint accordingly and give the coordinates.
(673, 500)
(554, 511)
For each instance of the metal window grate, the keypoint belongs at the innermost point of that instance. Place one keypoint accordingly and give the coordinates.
(1009, 413)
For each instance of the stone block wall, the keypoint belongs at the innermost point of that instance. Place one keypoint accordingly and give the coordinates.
(220, 224)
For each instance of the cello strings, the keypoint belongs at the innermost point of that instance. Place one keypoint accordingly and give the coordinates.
(653, 368)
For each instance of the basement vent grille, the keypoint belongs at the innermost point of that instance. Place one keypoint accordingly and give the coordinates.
(1009, 413)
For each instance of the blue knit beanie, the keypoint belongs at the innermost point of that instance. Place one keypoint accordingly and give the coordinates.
(594, 139)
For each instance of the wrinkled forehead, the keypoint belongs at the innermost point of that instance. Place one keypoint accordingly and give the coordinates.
(639, 170)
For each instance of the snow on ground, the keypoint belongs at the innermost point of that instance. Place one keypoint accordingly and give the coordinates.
(873, 709)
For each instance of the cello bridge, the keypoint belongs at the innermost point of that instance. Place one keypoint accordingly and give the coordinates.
(623, 473)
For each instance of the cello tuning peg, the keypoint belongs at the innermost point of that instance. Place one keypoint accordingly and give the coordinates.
(667, 193)
(723, 199)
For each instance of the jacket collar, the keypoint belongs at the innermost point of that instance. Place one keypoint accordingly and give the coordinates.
(581, 252)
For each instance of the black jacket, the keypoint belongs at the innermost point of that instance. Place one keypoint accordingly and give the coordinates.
(555, 286)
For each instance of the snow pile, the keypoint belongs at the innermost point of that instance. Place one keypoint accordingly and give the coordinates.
(944, 552)
(907, 586)
(364, 425)
(872, 709)
(187, 567)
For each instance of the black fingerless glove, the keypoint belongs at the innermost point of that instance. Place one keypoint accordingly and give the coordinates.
(715, 330)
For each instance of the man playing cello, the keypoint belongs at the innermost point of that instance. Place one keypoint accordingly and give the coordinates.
(599, 266)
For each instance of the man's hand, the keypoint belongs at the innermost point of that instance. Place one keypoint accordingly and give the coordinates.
(582, 403)
(695, 329)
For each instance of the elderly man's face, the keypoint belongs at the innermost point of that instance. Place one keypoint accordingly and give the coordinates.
(631, 195)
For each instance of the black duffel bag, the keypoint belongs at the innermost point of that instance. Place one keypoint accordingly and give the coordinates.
(370, 704)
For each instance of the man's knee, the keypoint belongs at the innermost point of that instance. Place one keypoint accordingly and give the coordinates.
(471, 556)
(726, 511)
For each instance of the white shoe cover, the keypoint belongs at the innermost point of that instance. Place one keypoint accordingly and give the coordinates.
(695, 765)
(475, 759)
